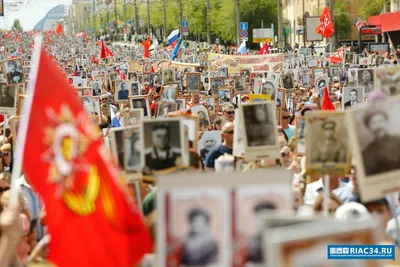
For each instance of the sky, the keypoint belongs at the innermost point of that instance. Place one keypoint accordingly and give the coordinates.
(30, 15)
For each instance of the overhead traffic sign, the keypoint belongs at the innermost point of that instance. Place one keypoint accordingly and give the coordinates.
(244, 26)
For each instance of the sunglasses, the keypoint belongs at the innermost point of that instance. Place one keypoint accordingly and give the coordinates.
(103, 99)
(230, 112)
(4, 189)
(284, 155)
(286, 117)
(230, 132)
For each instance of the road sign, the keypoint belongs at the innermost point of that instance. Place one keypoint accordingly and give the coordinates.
(263, 35)
(185, 24)
(263, 40)
(245, 38)
(244, 33)
(129, 22)
(244, 26)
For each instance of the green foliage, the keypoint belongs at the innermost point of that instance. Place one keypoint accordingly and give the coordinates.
(372, 8)
(342, 20)
(17, 25)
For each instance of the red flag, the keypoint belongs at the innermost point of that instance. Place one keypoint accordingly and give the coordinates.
(17, 39)
(327, 102)
(95, 60)
(103, 51)
(108, 52)
(99, 42)
(86, 38)
(146, 44)
(264, 50)
(326, 28)
(59, 29)
(77, 179)
(8, 35)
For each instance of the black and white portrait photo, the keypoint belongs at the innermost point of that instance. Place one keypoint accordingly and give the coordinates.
(375, 135)
(91, 105)
(146, 78)
(142, 103)
(14, 72)
(246, 74)
(132, 117)
(133, 76)
(163, 108)
(335, 73)
(327, 142)
(352, 77)
(163, 143)
(321, 83)
(301, 135)
(287, 81)
(135, 90)
(348, 59)
(239, 84)
(352, 96)
(223, 72)
(202, 112)
(122, 94)
(96, 86)
(224, 96)
(259, 126)
(181, 103)
(366, 79)
(208, 141)
(193, 82)
(8, 97)
(155, 79)
(169, 93)
(132, 149)
(168, 75)
(215, 84)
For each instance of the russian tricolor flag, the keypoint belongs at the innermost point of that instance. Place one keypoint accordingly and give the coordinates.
(173, 36)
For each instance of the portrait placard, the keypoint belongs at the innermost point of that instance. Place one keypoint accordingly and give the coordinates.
(181, 101)
(134, 88)
(14, 72)
(260, 132)
(122, 94)
(165, 107)
(193, 82)
(239, 84)
(352, 96)
(327, 145)
(168, 75)
(374, 133)
(352, 77)
(142, 103)
(301, 130)
(96, 88)
(208, 140)
(387, 80)
(287, 81)
(204, 118)
(215, 84)
(224, 96)
(132, 117)
(8, 99)
(170, 92)
(366, 79)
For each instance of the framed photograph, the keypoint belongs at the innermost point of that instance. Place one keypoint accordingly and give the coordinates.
(288, 81)
(292, 245)
(193, 82)
(352, 96)
(250, 203)
(239, 84)
(301, 131)
(168, 75)
(223, 72)
(316, 72)
(96, 88)
(374, 132)
(122, 93)
(224, 96)
(140, 102)
(8, 99)
(306, 80)
(328, 149)
(210, 104)
(259, 98)
(348, 59)
(166, 136)
(281, 98)
(14, 124)
(146, 68)
(14, 72)
(268, 87)
(191, 124)
(133, 76)
(312, 63)
(335, 72)
(321, 83)
(352, 76)
(246, 73)
(170, 92)
(91, 105)
(305, 52)
(208, 140)
(181, 101)
(146, 78)
(215, 84)
(155, 79)
(202, 112)
(165, 107)
(133, 117)
(366, 79)
(85, 91)
(387, 80)
(135, 88)
(260, 130)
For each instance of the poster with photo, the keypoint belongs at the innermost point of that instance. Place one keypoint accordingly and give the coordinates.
(374, 133)
(387, 80)
(168, 75)
(142, 103)
(8, 98)
(215, 84)
(122, 93)
(13, 71)
(328, 148)
(224, 96)
(165, 107)
(170, 93)
(352, 96)
(204, 118)
(352, 77)
(193, 81)
(132, 117)
(301, 130)
(366, 79)
(207, 142)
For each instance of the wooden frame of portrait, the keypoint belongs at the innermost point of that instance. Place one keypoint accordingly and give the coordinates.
(189, 90)
(116, 99)
(164, 71)
(21, 99)
(282, 83)
(314, 164)
(317, 68)
(6, 74)
(225, 89)
(257, 152)
(300, 120)
(145, 98)
(242, 79)
(13, 125)
(11, 110)
(171, 85)
(254, 98)
(211, 84)
(195, 111)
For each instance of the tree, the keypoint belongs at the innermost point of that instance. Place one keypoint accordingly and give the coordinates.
(17, 25)
(342, 20)
(372, 8)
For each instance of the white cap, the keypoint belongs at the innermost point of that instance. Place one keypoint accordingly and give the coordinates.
(352, 211)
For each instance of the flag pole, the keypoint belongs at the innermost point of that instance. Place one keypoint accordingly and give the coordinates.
(23, 130)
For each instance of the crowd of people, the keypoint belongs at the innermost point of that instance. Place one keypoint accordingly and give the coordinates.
(153, 126)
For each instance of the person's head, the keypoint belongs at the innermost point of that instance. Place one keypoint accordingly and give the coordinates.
(377, 122)
(366, 76)
(227, 133)
(6, 152)
(333, 203)
(202, 115)
(160, 136)
(380, 207)
(12, 66)
(286, 157)
(96, 86)
(260, 114)
(229, 112)
(123, 86)
(199, 220)
(104, 99)
(353, 95)
(259, 209)
(4, 88)
(209, 143)
(285, 118)
(353, 72)
(268, 88)
(329, 129)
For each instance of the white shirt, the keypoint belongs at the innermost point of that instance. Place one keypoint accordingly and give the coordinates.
(312, 193)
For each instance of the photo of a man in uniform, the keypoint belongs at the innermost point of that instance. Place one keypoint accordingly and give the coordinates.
(13, 74)
(6, 100)
(161, 155)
